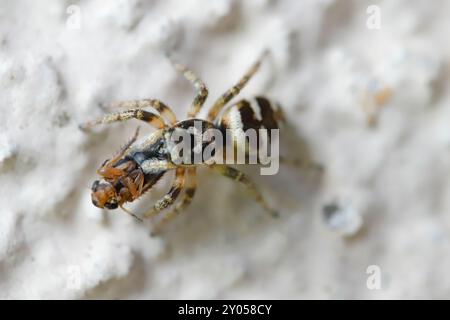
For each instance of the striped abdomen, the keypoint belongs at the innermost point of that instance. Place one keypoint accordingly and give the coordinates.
(251, 115)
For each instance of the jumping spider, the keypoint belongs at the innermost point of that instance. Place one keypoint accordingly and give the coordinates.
(138, 166)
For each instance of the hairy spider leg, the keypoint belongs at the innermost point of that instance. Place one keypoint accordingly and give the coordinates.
(163, 109)
(234, 91)
(188, 195)
(202, 90)
(239, 176)
(171, 196)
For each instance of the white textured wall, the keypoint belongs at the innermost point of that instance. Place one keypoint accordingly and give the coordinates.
(390, 181)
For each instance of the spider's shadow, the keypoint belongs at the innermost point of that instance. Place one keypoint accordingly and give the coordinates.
(222, 209)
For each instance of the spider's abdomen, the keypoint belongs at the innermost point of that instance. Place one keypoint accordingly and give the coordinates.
(258, 115)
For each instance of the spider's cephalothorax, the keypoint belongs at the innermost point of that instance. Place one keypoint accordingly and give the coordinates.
(138, 166)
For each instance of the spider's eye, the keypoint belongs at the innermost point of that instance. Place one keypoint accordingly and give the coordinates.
(103, 195)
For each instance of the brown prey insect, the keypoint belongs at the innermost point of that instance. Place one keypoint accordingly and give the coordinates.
(138, 166)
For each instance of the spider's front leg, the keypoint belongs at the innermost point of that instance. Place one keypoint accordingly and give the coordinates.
(202, 90)
(239, 176)
(189, 192)
(148, 117)
(171, 196)
(302, 164)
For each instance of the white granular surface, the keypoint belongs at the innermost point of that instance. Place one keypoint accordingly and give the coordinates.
(382, 204)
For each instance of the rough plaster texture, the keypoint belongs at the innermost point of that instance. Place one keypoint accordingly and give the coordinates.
(383, 200)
